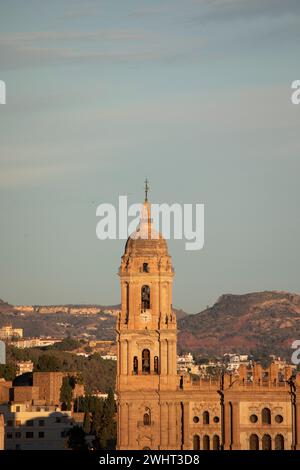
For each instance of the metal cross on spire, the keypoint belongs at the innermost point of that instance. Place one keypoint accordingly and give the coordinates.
(147, 188)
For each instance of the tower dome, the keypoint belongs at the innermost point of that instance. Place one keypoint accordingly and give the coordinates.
(145, 239)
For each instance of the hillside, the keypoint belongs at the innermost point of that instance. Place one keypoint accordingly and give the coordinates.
(89, 321)
(265, 322)
(261, 323)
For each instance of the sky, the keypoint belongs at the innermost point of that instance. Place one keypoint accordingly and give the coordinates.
(195, 95)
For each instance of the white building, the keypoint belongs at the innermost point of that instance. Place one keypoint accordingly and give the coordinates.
(32, 427)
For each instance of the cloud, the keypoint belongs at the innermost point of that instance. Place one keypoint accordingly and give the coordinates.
(232, 10)
(39, 48)
(21, 175)
(80, 12)
(21, 38)
(147, 12)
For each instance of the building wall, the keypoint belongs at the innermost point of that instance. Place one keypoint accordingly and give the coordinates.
(4, 390)
(35, 428)
(24, 393)
(1, 432)
(49, 384)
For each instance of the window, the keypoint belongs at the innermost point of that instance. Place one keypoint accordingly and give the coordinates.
(146, 361)
(253, 442)
(145, 268)
(279, 442)
(216, 419)
(206, 442)
(135, 365)
(266, 442)
(278, 419)
(216, 442)
(10, 423)
(29, 422)
(18, 422)
(29, 435)
(266, 416)
(196, 419)
(41, 434)
(196, 442)
(156, 364)
(41, 422)
(127, 301)
(147, 417)
(18, 435)
(145, 298)
(18, 409)
(205, 417)
(253, 419)
(9, 435)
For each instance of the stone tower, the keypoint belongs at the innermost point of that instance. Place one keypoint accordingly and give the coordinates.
(146, 337)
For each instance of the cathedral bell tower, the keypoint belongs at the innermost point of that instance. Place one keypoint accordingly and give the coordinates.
(146, 337)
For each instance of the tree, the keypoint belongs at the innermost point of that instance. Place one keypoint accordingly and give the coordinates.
(76, 439)
(66, 392)
(8, 371)
(104, 424)
(87, 422)
(49, 363)
(67, 344)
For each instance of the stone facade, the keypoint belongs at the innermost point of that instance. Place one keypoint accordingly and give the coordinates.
(158, 409)
(1, 432)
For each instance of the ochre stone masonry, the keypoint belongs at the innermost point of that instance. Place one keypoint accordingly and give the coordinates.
(158, 409)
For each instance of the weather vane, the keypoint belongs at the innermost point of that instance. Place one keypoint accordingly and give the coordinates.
(147, 187)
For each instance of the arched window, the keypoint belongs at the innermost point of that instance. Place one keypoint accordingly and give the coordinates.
(205, 417)
(156, 364)
(196, 442)
(279, 442)
(135, 365)
(145, 268)
(254, 442)
(206, 442)
(216, 442)
(146, 361)
(266, 416)
(147, 417)
(266, 442)
(145, 298)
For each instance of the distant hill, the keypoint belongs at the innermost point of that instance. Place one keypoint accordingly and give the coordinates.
(5, 307)
(265, 322)
(64, 320)
(179, 313)
(261, 323)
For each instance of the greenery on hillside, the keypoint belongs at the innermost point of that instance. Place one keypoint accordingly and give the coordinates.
(97, 373)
